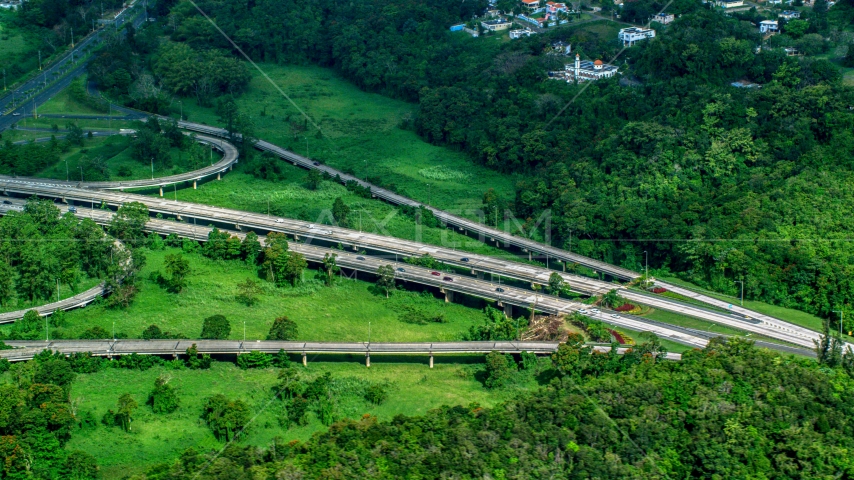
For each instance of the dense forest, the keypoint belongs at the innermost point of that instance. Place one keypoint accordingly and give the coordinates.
(719, 183)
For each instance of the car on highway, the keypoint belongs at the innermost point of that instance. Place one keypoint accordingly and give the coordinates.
(279, 220)
(594, 311)
(435, 273)
(401, 269)
(614, 315)
(448, 279)
(72, 209)
(464, 259)
(16, 114)
(6, 202)
(316, 164)
(499, 290)
(360, 257)
(583, 311)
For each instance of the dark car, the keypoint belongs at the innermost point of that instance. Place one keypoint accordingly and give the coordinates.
(435, 273)
(499, 290)
(448, 279)
(72, 209)
(316, 163)
(360, 258)
(464, 259)
(6, 202)
(401, 269)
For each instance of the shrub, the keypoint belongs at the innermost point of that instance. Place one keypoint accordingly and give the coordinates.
(659, 290)
(215, 327)
(376, 394)
(283, 329)
(163, 398)
(254, 359)
(499, 369)
(625, 307)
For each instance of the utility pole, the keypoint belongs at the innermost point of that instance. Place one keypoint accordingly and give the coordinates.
(72, 37)
(152, 168)
(40, 59)
(742, 291)
(244, 331)
(66, 169)
(841, 317)
(307, 153)
(646, 273)
(4, 79)
(81, 173)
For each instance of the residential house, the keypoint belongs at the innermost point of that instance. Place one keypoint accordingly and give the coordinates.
(496, 25)
(630, 36)
(729, 3)
(769, 26)
(531, 5)
(745, 84)
(561, 48)
(789, 14)
(663, 18)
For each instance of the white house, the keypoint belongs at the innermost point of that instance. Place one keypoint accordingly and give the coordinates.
(630, 36)
(531, 5)
(663, 18)
(789, 14)
(495, 25)
(768, 26)
(730, 3)
(553, 7)
(588, 71)
(524, 32)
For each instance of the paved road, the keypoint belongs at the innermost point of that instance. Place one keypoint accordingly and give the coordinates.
(229, 158)
(25, 350)
(31, 94)
(204, 215)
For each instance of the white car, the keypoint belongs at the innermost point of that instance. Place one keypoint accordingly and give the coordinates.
(583, 311)
(614, 315)
(594, 311)
(279, 220)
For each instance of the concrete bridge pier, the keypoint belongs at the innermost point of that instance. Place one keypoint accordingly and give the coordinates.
(449, 295)
(431, 359)
(194, 184)
(161, 190)
(304, 360)
(508, 310)
(479, 274)
(529, 256)
(219, 175)
(368, 359)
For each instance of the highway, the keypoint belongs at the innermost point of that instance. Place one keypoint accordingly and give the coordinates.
(229, 158)
(367, 264)
(300, 230)
(23, 100)
(27, 349)
(463, 224)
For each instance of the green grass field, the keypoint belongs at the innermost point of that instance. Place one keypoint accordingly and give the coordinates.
(340, 313)
(63, 103)
(361, 135)
(414, 389)
(116, 154)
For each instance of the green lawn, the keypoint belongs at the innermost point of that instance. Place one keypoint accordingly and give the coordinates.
(63, 103)
(414, 389)
(116, 153)
(361, 135)
(341, 313)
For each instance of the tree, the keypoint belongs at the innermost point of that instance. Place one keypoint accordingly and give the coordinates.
(294, 267)
(314, 179)
(275, 258)
(556, 283)
(828, 348)
(250, 249)
(376, 393)
(496, 326)
(74, 135)
(126, 406)
(152, 332)
(128, 224)
(163, 398)
(7, 283)
(178, 268)
(227, 419)
(194, 362)
(612, 299)
(248, 291)
(499, 369)
(340, 212)
(848, 59)
(215, 327)
(570, 355)
(330, 268)
(79, 465)
(283, 329)
(796, 28)
(385, 278)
